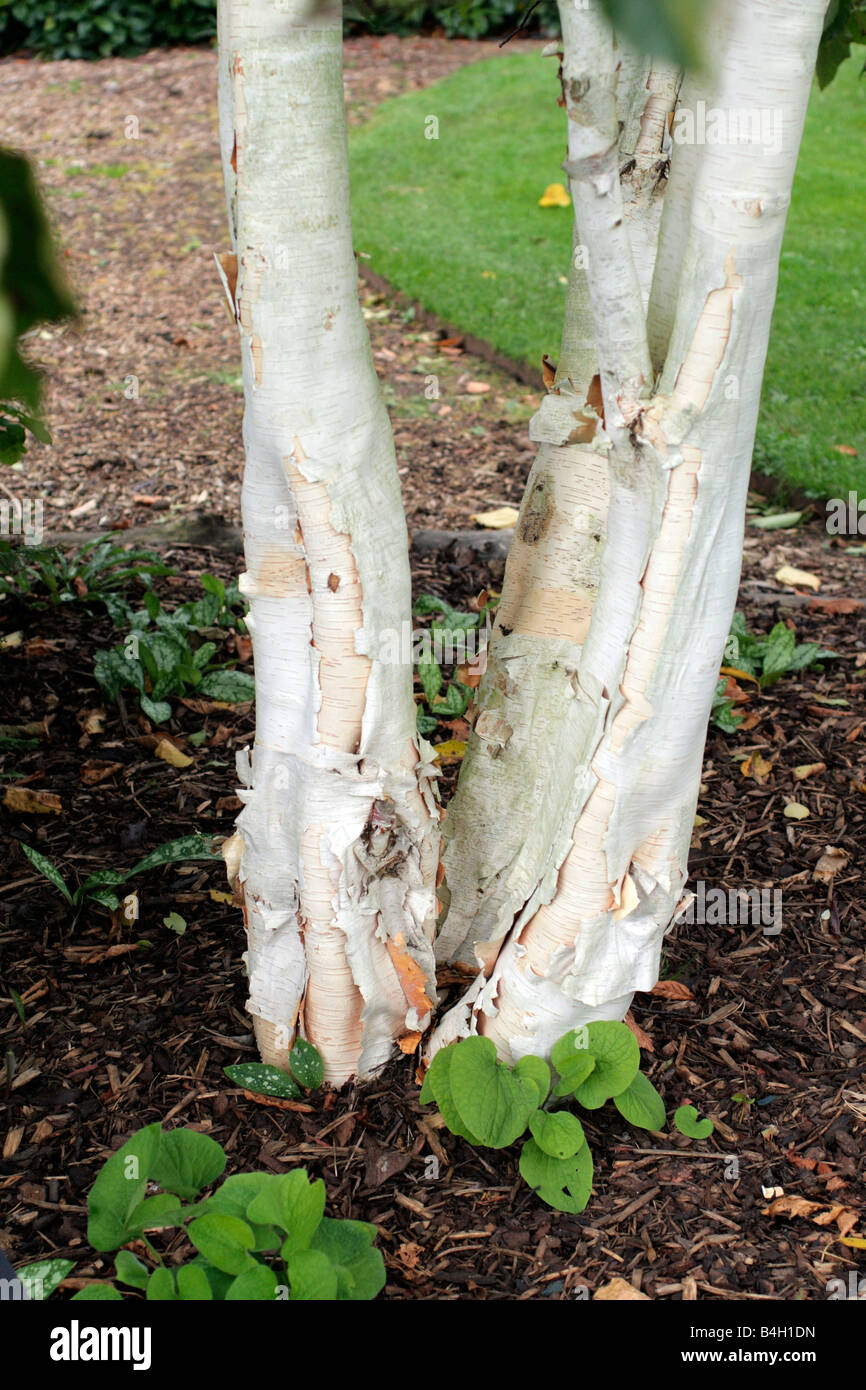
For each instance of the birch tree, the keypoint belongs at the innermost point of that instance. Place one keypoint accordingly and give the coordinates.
(336, 848)
(565, 847)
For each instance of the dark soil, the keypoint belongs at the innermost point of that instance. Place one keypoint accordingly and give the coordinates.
(126, 1025)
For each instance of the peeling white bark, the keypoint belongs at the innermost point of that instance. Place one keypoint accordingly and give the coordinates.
(508, 827)
(679, 466)
(337, 844)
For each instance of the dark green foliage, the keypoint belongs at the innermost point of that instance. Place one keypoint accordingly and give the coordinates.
(100, 28)
(95, 575)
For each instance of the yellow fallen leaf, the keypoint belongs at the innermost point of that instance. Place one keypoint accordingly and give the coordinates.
(496, 520)
(11, 639)
(217, 897)
(170, 753)
(29, 802)
(855, 1242)
(757, 767)
(699, 820)
(451, 751)
(805, 770)
(788, 575)
(736, 673)
(554, 196)
(488, 274)
(621, 1290)
(795, 811)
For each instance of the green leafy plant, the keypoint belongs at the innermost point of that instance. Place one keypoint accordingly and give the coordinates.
(96, 573)
(163, 655)
(448, 633)
(488, 1103)
(100, 887)
(256, 1236)
(763, 659)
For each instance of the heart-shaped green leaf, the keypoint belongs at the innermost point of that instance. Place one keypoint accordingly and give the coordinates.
(293, 1204)
(563, 1183)
(534, 1069)
(492, 1101)
(437, 1086)
(119, 1188)
(687, 1122)
(641, 1104)
(129, 1269)
(193, 1286)
(312, 1277)
(617, 1062)
(557, 1133)
(257, 1283)
(224, 1240)
(359, 1267)
(186, 1162)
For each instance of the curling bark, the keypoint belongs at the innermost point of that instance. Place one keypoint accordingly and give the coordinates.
(337, 844)
(581, 931)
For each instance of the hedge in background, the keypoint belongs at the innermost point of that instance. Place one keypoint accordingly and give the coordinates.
(465, 19)
(99, 28)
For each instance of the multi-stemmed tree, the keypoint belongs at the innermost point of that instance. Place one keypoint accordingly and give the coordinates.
(564, 849)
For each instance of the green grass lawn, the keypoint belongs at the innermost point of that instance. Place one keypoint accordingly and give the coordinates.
(455, 223)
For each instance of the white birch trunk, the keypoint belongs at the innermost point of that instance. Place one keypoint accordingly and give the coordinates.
(337, 845)
(509, 825)
(679, 468)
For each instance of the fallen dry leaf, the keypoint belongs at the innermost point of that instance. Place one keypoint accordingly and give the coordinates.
(477, 388)
(26, 801)
(736, 673)
(671, 989)
(621, 1290)
(819, 1213)
(496, 520)
(170, 753)
(548, 371)
(471, 674)
(643, 1039)
(805, 770)
(451, 751)
(796, 811)
(829, 865)
(95, 771)
(845, 449)
(802, 578)
(835, 606)
(756, 767)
